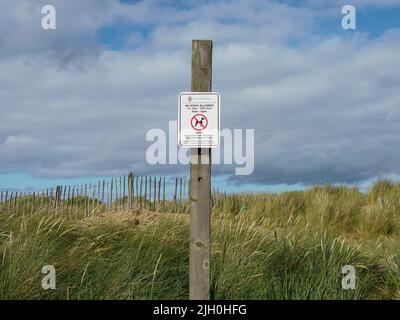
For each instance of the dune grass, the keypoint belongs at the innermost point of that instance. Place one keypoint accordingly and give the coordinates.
(270, 246)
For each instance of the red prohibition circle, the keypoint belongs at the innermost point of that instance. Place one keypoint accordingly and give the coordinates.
(199, 122)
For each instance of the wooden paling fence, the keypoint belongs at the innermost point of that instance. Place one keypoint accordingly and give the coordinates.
(159, 194)
(118, 193)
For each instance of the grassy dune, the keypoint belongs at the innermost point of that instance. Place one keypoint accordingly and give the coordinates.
(287, 246)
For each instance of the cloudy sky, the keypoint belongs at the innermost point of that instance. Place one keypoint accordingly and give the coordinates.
(76, 102)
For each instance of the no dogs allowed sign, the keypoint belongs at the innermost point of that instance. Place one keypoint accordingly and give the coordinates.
(199, 119)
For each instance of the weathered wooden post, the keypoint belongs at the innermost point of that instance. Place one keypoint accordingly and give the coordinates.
(149, 204)
(163, 203)
(102, 192)
(107, 195)
(137, 188)
(200, 185)
(175, 194)
(140, 196)
(72, 199)
(155, 193)
(180, 193)
(145, 192)
(130, 176)
(57, 197)
(159, 194)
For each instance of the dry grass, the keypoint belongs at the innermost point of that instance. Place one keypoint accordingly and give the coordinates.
(287, 246)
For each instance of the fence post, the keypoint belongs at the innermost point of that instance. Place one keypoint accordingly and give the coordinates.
(163, 205)
(116, 194)
(6, 198)
(108, 195)
(98, 198)
(180, 193)
(89, 198)
(33, 201)
(175, 193)
(72, 200)
(94, 205)
(57, 197)
(145, 191)
(155, 190)
(16, 202)
(130, 190)
(137, 189)
(63, 196)
(184, 189)
(123, 194)
(121, 200)
(149, 193)
(140, 195)
(40, 195)
(158, 196)
(200, 185)
(133, 189)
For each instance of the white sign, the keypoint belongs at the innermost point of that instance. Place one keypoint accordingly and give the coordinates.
(199, 119)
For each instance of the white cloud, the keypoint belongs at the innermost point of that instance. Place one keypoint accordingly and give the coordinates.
(323, 111)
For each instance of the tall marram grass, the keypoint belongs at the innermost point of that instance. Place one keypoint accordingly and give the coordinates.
(93, 261)
(268, 246)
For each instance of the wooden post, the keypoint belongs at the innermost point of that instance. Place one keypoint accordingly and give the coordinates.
(137, 189)
(39, 195)
(93, 200)
(57, 197)
(102, 192)
(130, 190)
(85, 200)
(200, 185)
(149, 193)
(163, 202)
(62, 200)
(140, 196)
(51, 197)
(145, 191)
(116, 194)
(121, 199)
(155, 189)
(68, 199)
(33, 201)
(10, 202)
(89, 198)
(159, 194)
(108, 195)
(98, 199)
(123, 194)
(180, 193)
(16, 202)
(72, 199)
(6, 199)
(184, 189)
(175, 193)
